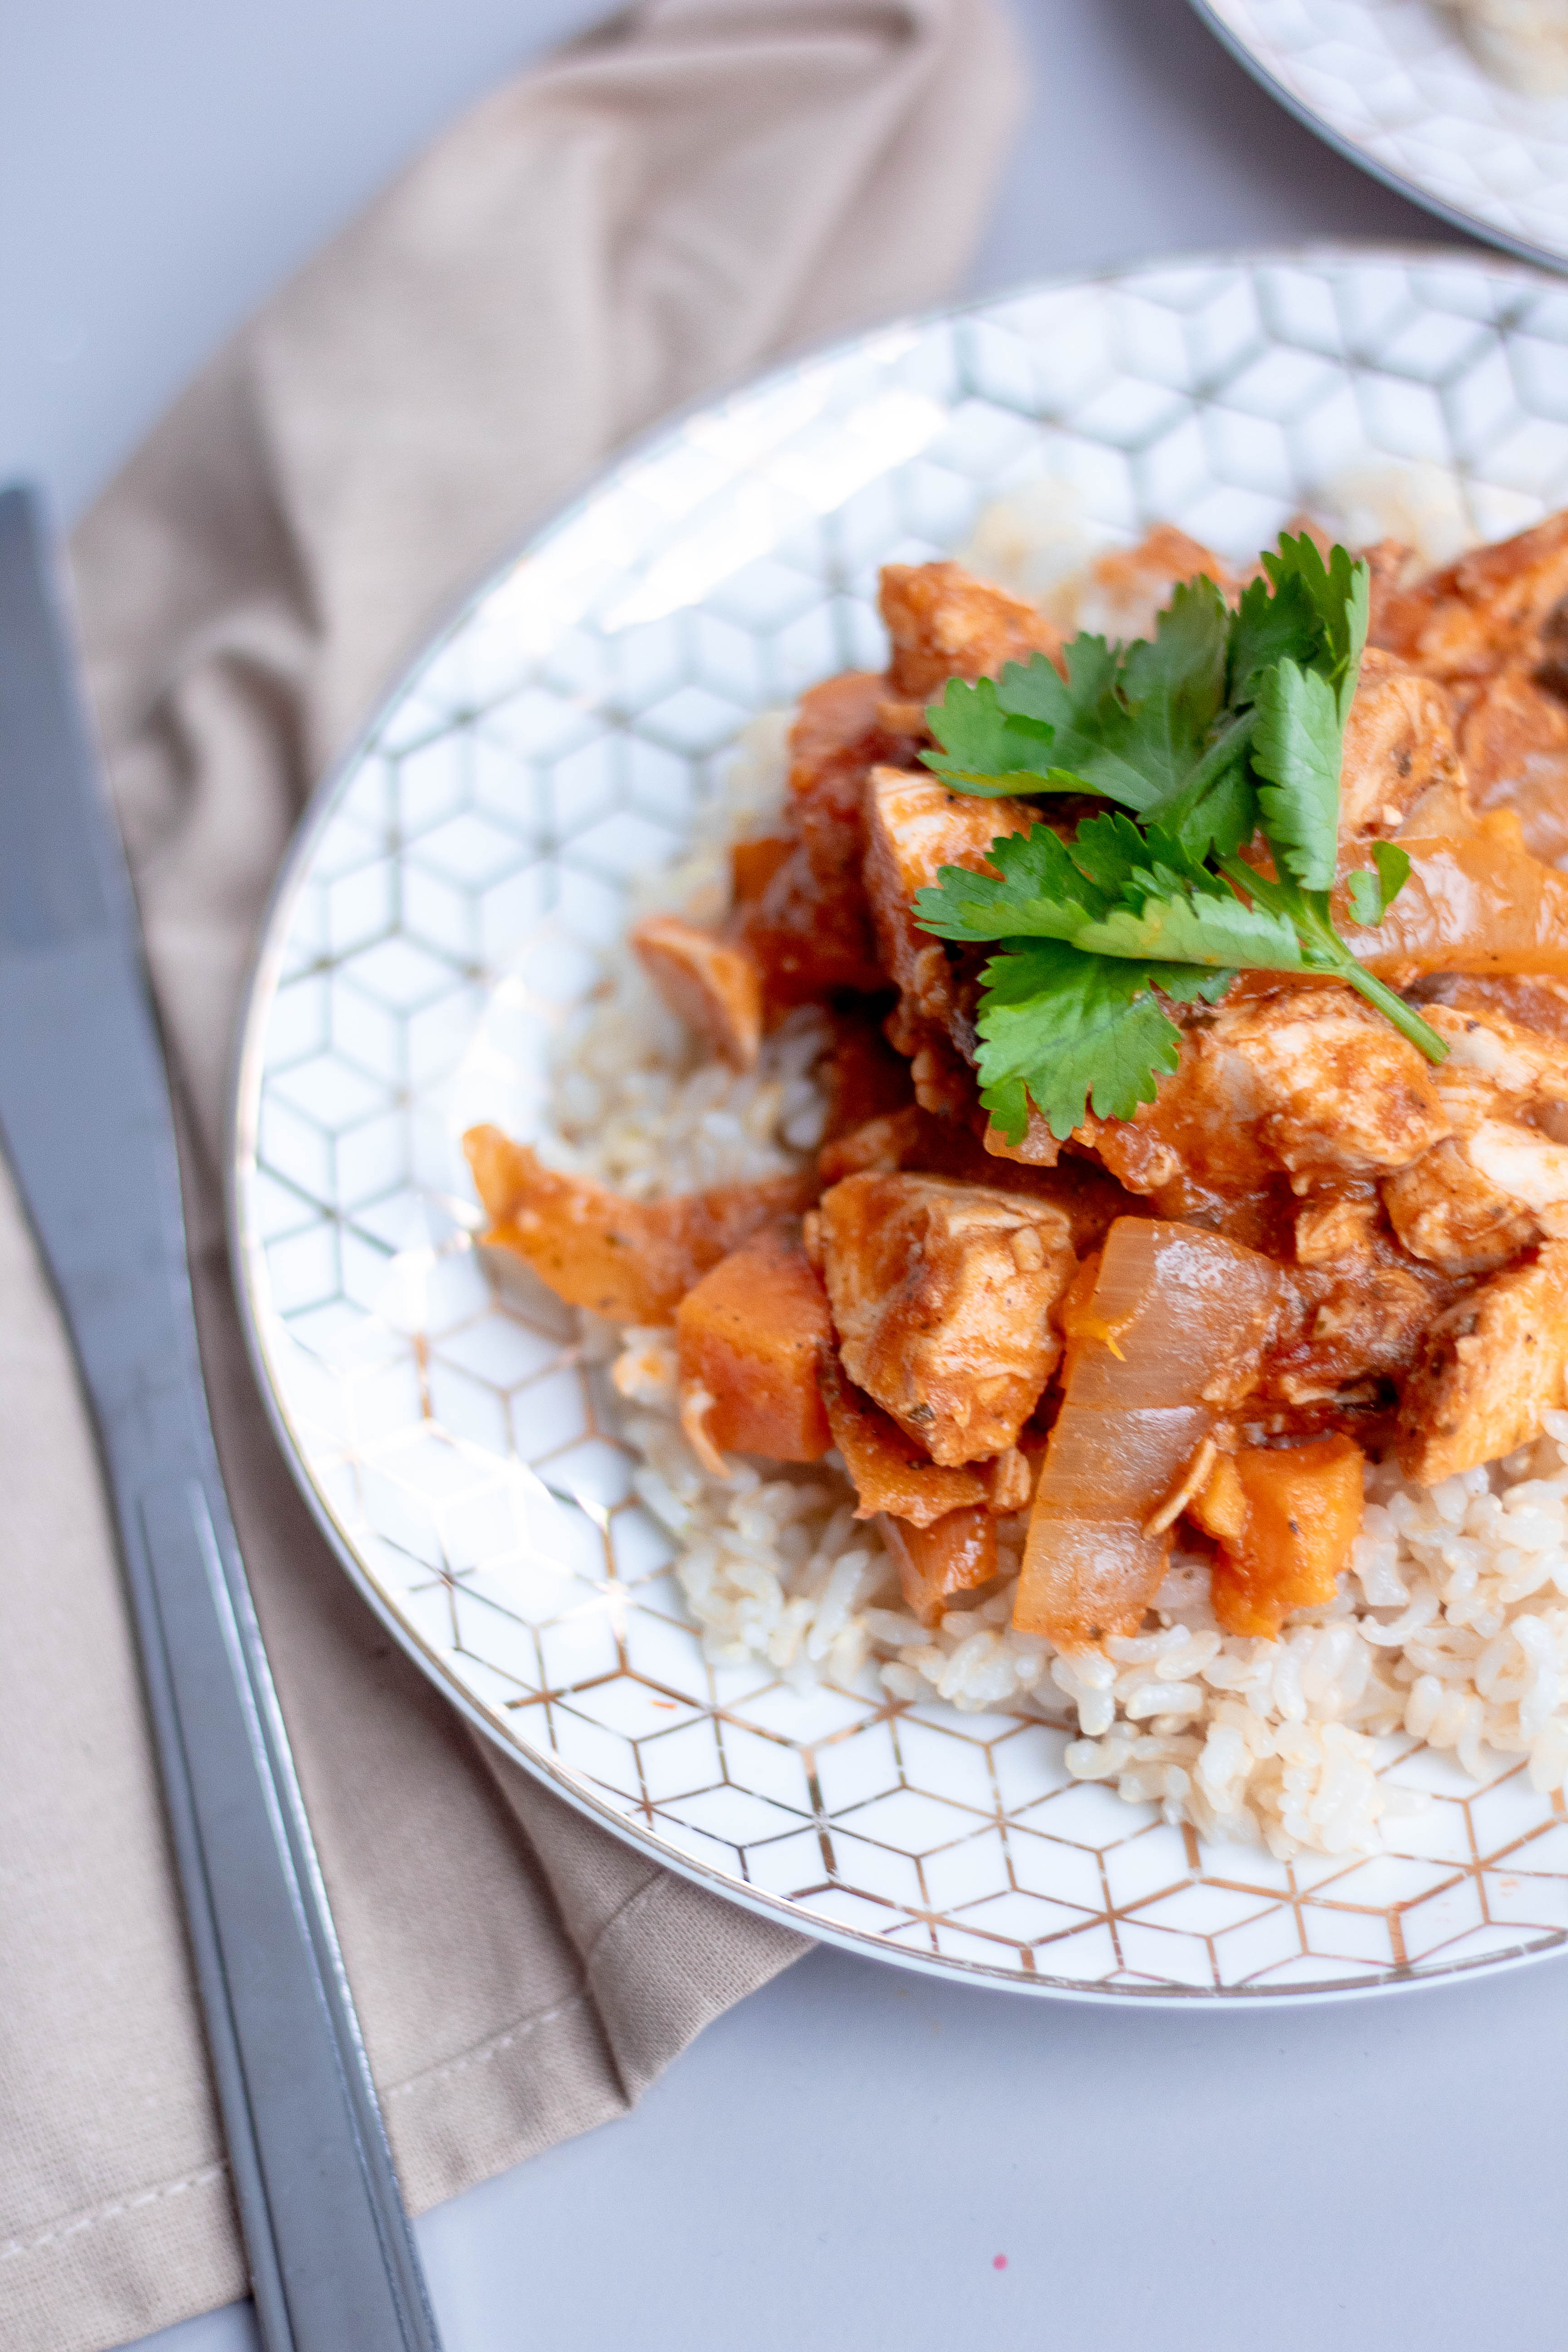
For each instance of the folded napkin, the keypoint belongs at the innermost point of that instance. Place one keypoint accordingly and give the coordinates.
(702, 186)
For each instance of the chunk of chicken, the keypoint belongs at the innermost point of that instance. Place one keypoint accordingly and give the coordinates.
(1537, 1004)
(1497, 1066)
(1364, 1324)
(1309, 1080)
(1197, 1141)
(714, 989)
(1333, 1086)
(891, 1473)
(946, 624)
(1526, 1167)
(1514, 741)
(1447, 1212)
(1127, 587)
(915, 826)
(1090, 1197)
(1501, 1181)
(942, 1296)
(1336, 1229)
(1492, 1365)
(1489, 608)
(1399, 743)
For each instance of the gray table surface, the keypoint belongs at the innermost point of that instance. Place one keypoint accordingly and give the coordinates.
(849, 2155)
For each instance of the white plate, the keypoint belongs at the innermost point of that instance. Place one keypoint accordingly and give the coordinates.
(1393, 84)
(444, 907)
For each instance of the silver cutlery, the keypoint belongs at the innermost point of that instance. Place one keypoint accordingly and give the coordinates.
(86, 1123)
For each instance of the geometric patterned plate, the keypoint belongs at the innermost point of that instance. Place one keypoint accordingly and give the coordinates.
(1394, 86)
(442, 912)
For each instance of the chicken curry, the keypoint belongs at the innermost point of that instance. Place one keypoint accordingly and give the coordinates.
(1314, 1240)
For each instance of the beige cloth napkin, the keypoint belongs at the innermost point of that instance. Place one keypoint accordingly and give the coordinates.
(702, 185)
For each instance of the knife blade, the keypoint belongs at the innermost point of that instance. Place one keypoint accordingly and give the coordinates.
(86, 1124)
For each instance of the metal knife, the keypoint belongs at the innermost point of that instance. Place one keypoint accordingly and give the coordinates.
(86, 1124)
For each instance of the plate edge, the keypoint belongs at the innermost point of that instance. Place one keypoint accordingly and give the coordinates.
(244, 1098)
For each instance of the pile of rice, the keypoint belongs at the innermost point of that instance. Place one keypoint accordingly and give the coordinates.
(1451, 1624)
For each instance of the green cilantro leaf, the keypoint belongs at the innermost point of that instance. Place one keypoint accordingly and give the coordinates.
(1085, 719)
(1068, 1027)
(1037, 892)
(1372, 894)
(1270, 627)
(1132, 725)
(1340, 594)
(1069, 1030)
(1219, 811)
(1174, 687)
(1120, 890)
(1191, 927)
(1128, 860)
(1296, 745)
(1218, 725)
(989, 749)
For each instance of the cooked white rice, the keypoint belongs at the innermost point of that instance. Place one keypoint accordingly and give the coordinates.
(1451, 1625)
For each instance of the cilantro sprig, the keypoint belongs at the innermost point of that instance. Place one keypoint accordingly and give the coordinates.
(1226, 729)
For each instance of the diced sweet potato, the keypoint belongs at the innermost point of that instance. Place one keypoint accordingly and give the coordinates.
(1285, 1519)
(942, 1296)
(715, 989)
(747, 1339)
(889, 1470)
(630, 1261)
(1171, 1332)
(954, 1554)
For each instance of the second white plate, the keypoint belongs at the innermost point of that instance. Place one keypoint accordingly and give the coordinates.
(1393, 84)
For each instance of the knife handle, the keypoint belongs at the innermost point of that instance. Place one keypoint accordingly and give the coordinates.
(332, 2265)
